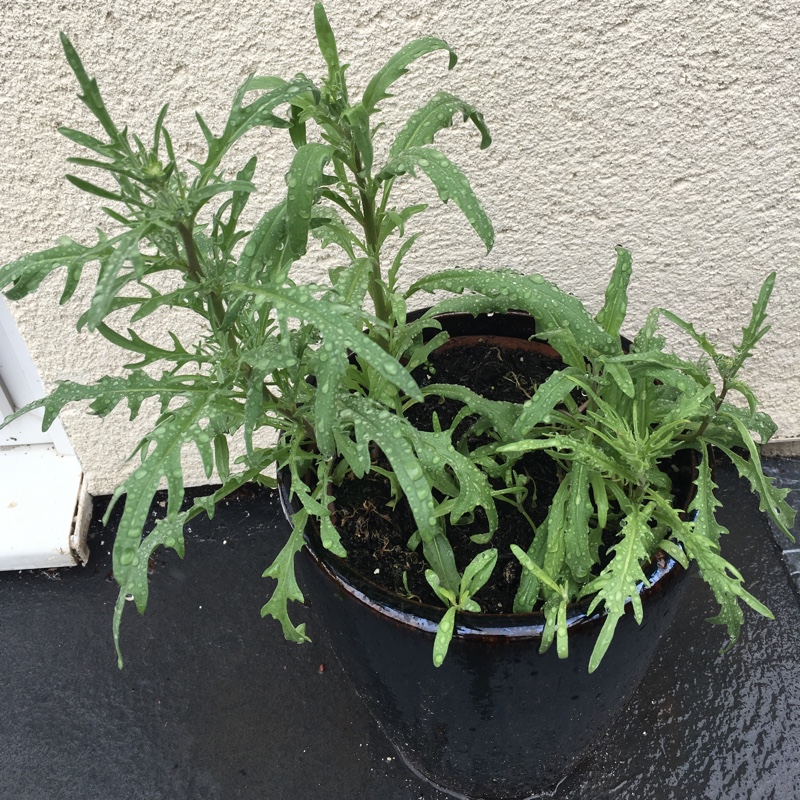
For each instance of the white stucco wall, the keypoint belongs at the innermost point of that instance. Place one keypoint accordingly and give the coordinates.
(669, 126)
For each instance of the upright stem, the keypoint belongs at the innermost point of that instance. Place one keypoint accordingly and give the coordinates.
(216, 306)
(371, 235)
(707, 421)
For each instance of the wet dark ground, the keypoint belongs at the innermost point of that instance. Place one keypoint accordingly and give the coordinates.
(213, 703)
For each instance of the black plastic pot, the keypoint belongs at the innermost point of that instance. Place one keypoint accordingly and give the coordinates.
(497, 720)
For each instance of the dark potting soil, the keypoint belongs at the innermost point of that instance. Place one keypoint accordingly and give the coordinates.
(375, 534)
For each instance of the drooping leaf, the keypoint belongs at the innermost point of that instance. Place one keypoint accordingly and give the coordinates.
(702, 543)
(286, 589)
(397, 65)
(450, 182)
(560, 317)
(619, 580)
(436, 114)
(772, 500)
(162, 460)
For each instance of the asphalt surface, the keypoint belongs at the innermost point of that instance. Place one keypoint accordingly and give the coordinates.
(213, 703)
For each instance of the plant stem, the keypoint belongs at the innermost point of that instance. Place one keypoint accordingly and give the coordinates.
(707, 421)
(370, 227)
(216, 306)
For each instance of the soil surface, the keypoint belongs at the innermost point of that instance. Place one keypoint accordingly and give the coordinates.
(376, 535)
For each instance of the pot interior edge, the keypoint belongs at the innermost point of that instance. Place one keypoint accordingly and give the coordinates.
(660, 573)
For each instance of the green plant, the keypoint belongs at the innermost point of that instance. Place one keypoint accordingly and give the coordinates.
(328, 364)
(265, 333)
(642, 405)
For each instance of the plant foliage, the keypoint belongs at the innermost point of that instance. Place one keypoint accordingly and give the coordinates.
(326, 365)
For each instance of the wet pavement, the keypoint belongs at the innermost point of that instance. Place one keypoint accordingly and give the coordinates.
(213, 703)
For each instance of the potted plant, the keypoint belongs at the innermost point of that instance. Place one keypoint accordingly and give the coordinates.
(346, 376)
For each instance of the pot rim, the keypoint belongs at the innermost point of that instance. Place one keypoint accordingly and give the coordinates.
(661, 572)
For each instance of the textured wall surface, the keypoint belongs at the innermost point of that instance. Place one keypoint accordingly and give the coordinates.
(672, 127)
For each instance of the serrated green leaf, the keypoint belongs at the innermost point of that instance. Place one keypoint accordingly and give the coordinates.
(334, 231)
(356, 454)
(163, 460)
(574, 449)
(549, 394)
(27, 272)
(755, 329)
(352, 282)
(243, 118)
(501, 415)
(619, 580)
(756, 421)
(701, 541)
(560, 317)
(438, 457)
(91, 94)
(264, 248)
(771, 499)
(286, 589)
(299, 303)
(126, 251)
(450, 182)
(134, 583)
(396, 67)
(395, 436)
(612, 314)
(621, 377)
(689, 328)
(304, 177)
(436, 114)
